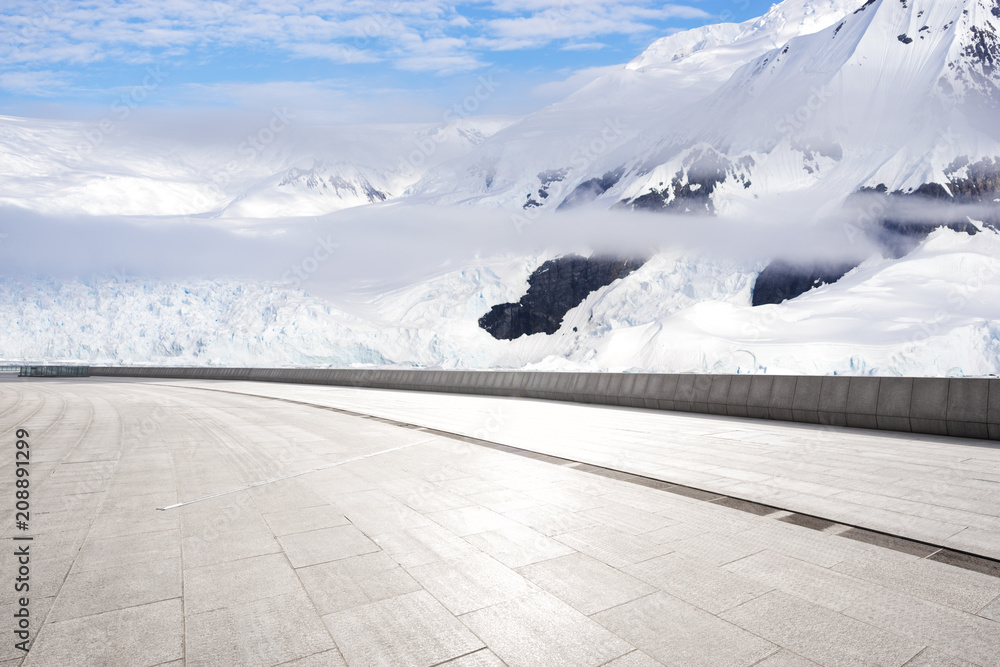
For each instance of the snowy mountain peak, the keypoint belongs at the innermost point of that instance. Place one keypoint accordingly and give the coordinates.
(683, 44)
(793, 18)
(782, 22)
(889, 95)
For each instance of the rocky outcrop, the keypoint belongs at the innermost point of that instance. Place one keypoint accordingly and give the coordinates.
(975, 184)
(781, 280)
(590, 190)
(553, 289)
(690, 190)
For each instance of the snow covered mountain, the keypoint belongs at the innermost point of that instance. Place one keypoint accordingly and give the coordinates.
(896, 95)
(820, 97)
(875, 118)
(274, 169)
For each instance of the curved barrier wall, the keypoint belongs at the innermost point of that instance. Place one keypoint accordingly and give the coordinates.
(963, 407)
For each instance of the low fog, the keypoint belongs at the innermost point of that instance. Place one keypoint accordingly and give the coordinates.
(383, 247)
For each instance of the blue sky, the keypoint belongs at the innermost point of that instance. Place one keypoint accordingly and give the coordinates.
(337, 61)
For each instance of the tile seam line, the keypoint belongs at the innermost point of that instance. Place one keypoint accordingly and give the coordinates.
(500, 446)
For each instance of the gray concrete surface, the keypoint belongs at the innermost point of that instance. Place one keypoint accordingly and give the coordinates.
(446, 552)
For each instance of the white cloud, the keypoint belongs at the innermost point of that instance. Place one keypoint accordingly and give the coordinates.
(328, 101)
(554, 90)
(583, 46)
(40, 83)
(414, 35)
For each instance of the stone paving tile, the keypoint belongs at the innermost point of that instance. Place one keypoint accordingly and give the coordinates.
(331, 658)
(714, 549)
(128, 550)
(677, 633)
(237, 581)
(627, 519)
(412, 629)
(208, 548)
(38, 608)
(471, 582)
(550, 520)
(518, 545)
(481, 658)
(634, 659)
(471, 520)
(785, 658)
(991, 611)
(584, 583)
(431, 498)
(301, 520)
(333, 483)
(287, 494)
(613, 547)
(117, 523)
(570, 498)
(44, 523)
(258, 633)
(376, 513)
(927, 579)
(809, 545)
(325, 544)
(714, 518)
(674, 533)
(540, 630)
(930, 657)
(47, 574)
(647, 499)
(426, 544)
(355, 581)
(810, 582)
(976, 541)
(234, 511)
(704, 586)
(503, 500)
(820, 634)
(149, 634)
(97, 591)
(954, 632)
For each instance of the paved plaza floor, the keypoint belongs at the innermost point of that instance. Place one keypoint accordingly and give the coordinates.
(212, 523)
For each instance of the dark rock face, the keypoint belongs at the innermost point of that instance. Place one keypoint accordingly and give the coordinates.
(893, 232)
(588, 191)
(546, 179)
(553, 289)
(703, 172)
(781, 281)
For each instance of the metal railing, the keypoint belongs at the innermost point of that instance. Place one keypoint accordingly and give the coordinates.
(53, 371)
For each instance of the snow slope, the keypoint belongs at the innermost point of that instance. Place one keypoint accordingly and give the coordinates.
(891, 95)
(581, 137)
(271, 170)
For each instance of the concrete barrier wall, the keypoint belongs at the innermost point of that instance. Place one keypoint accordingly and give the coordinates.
(963, 407)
